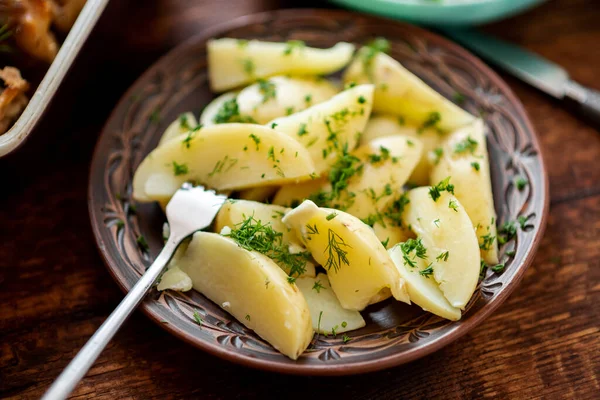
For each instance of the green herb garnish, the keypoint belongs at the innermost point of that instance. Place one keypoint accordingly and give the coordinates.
(445, 185)
(498, 268)
(413, 245)
(488, 240)
(142, 243)
(230, 112)
(443, 256)
(256, 140)
(318, 286)
(337, 256)
(292, 45)
(180, 169)
(248, 66)
(521, 183)
(331, 216)
(267, 89)
(467, 145)
(253, 235)
(430, 122)
(198, 317)
(427, 271)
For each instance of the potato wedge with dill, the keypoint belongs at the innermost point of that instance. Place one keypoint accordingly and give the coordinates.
(234, 62)
(223, 109)
(449, 244)
(223, 157)
(465, 159)
(330, 128)
(281, 95)
(387, 125)
(385, 166)
(235, 213)
(268, 99)
(400, 92)
(363, 183)
(183, 124)
(358, 265)
(252, 288)
(422, 288)
(327, 314)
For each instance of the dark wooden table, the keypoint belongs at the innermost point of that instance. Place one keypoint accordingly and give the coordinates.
(55, 291)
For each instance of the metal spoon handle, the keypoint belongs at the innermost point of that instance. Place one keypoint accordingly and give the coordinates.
(79, 366)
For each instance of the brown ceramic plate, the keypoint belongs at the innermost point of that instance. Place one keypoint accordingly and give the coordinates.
(395, 333)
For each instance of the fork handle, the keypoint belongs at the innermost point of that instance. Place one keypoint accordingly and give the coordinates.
(79, 366)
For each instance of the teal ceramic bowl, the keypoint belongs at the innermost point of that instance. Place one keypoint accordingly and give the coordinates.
(442, 12)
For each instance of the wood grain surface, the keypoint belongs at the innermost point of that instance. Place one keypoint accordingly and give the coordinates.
(544, 342)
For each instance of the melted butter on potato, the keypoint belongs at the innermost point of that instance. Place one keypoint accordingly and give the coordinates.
(358, 265)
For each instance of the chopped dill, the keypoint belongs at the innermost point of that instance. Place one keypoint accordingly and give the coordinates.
(443, 256)
(427, 272)
(445, 185)
(467, 145)
(267, 89)
(292, 45)
(180, 169)
(318, 286)
(198, 317)
(337, 256)
(253, 235)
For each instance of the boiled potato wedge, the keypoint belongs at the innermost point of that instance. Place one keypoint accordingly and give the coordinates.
(252, 288)
(444, 226)
(281, 95)
(268, 99)
(185, 123)
(384, 163)
(210, 112)
(399, 92)
(387, 164)
(327, 314)
(326, 128)
(423, 290)
(465, 159)
(225, 156)
(233, 62)
(358, 265)
(386, 125)
(235, 212)
(174, 278)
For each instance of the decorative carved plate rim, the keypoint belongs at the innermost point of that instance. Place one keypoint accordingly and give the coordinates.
(179, 75)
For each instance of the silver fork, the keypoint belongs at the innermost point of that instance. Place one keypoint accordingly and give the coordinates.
(190, 209)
